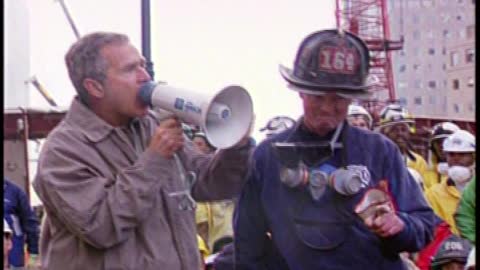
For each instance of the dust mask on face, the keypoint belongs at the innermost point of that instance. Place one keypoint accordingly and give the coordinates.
(442, 168)
(460, 174)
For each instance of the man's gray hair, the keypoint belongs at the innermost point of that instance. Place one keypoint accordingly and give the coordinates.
(84, 60)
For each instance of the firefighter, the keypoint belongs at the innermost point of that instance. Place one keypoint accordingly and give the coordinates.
(396, 123)
(437, 165)
(214, 219)
(452, 254)
(358, 116)
(445, 196)
(332, 196)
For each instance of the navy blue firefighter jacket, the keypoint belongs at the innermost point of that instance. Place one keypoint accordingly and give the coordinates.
(326, 233)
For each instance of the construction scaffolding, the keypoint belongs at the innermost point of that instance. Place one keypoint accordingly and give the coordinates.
(368, 19)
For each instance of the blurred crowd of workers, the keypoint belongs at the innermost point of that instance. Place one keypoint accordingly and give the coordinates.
(329, 190)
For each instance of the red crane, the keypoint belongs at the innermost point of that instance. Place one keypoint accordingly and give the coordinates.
(368, 19)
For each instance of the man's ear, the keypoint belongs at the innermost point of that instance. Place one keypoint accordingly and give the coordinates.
(93, 87)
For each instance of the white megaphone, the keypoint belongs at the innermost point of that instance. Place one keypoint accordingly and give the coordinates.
(225, 117)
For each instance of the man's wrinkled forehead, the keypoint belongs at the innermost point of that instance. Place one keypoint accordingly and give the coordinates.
(122, 54)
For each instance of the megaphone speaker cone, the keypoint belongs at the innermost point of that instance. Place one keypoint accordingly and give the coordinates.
(233, 105)
(225, 117)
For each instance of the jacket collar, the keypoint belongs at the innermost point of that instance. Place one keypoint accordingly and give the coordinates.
(301, 132)
(92, 126)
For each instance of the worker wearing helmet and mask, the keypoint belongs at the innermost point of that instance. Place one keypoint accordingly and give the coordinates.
(396, 123)
(332, 195)
(437, 165)
(358, 116)
(445, 196)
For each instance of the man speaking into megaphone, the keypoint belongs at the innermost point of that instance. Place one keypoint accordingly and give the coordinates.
(108, 174)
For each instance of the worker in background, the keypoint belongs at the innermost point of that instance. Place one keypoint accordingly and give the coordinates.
(331, 195)
(396, 123)
(214, 219)
(465, 217)
(24, 224)
(452, 254)
(204, 251)
(437, 162)
(109, 174)
(358, 116)
(445, 196)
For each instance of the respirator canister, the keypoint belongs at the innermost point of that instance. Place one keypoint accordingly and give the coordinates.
(347, 181)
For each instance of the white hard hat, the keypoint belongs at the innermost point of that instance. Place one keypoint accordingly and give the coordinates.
(354, 109)
(443, 130)
(6, 227)
(460, 141)
(394, 114)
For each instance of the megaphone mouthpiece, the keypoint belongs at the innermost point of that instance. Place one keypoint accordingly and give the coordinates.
(145, 92)
(218, 111)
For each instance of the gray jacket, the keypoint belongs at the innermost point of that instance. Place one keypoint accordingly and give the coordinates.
(107, 201)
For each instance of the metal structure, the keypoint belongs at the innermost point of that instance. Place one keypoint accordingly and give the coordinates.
(146, 36)
(19, 126)
(368, 19)
(69, 18)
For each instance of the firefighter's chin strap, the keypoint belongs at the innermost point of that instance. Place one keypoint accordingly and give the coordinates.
(188, 179)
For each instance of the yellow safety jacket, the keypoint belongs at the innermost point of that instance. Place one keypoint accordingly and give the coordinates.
(432, 176)
(444, 198)
(417, 163)
(219, 215)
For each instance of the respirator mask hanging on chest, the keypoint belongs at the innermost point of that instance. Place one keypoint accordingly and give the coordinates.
(303, 165)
